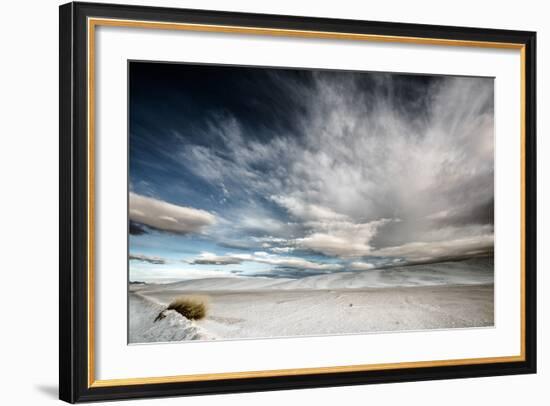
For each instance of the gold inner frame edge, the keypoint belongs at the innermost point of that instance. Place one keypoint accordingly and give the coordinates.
(92, 23)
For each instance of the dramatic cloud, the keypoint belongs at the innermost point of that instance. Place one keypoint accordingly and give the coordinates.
(168, 217)
(136, 229)
(147, 258)
(207, 258)
(424, 251)
(341, 167)
(342, 239)
(282, 250)
(361, 266)
(307, 211)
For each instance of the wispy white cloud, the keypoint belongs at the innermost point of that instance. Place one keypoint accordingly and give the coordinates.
(305, 211)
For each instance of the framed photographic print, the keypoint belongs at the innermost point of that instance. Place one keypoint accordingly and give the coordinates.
(257, 202)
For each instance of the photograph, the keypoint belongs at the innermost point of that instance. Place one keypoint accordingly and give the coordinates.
(268, 202)
(254, 201)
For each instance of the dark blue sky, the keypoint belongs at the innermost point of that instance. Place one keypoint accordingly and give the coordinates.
(281, 172)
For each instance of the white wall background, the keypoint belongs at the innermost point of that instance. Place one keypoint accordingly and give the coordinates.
(29, 188)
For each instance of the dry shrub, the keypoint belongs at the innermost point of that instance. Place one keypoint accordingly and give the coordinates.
(190, 307)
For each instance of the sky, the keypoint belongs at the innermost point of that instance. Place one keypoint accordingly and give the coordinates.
(250, 171)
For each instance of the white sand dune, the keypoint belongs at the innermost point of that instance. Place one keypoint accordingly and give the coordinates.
(433, 296)
(173, 327)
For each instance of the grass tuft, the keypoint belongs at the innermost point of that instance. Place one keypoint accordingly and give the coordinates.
(190, 307)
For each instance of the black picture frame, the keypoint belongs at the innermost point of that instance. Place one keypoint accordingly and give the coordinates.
(74, 383)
